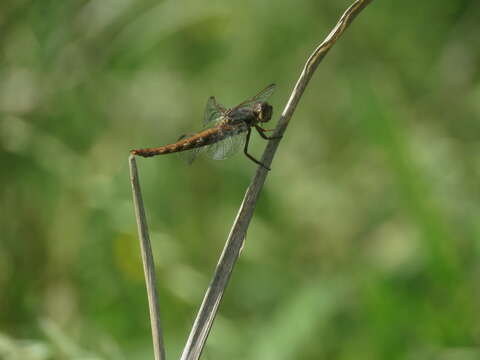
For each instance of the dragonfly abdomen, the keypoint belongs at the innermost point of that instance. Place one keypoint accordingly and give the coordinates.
(203, 138)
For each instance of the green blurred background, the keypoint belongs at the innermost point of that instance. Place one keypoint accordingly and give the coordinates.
(365, 242)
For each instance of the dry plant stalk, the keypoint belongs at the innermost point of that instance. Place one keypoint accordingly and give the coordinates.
(148, 263)
(208, 309)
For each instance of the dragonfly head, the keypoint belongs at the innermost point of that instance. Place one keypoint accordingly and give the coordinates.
(263, 111)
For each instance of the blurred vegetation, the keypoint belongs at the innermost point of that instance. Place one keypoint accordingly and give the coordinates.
(366, 241)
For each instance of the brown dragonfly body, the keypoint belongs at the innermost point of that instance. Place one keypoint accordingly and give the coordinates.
(226, 130)
(202, 138)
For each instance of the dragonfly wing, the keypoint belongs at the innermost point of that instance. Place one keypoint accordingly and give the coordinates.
(213, 111)
(189, 156)
(264, 94)
(227, 147)
(261, 96)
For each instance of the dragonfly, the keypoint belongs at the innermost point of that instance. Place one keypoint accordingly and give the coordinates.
(224, 131)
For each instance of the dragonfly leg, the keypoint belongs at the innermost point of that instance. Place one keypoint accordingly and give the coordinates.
(245, 150)
(265, 130)
(261, 132)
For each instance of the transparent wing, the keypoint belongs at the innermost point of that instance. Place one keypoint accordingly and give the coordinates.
(261, 96)
(189, 156)
(227, 147)
(213, 111)
(220, 150)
